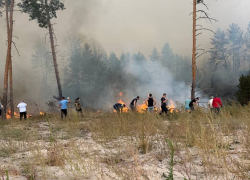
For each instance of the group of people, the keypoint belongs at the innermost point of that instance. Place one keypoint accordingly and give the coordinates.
(63, 105)
(150, 102)
(214, 104)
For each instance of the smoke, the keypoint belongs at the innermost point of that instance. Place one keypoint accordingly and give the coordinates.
(156, 80)
(117, 26)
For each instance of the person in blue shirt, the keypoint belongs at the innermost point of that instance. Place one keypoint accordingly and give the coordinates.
(64, 106)
(187, 102)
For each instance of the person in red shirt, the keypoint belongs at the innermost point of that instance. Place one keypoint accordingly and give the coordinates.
(217, 104)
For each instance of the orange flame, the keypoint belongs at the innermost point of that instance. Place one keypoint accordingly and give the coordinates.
(171, 107)
(125, 109)
(41, 113)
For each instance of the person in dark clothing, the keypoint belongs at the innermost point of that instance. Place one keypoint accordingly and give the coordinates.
(1, 107)
(133, 103)
(78, 106)
(150, 102)
(119, 107)
(193, 103)
(164, 102)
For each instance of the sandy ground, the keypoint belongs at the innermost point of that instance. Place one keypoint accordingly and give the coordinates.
(86, 158)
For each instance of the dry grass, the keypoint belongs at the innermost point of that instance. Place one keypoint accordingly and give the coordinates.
(129, 145)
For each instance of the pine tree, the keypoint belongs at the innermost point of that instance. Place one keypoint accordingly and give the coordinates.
(235, 37)
(243, 93)
(219, 52)
(155, 56)
(43, 11)
(167, 56)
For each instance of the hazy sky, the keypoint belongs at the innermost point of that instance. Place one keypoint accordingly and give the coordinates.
(130, 25)
(121, 25)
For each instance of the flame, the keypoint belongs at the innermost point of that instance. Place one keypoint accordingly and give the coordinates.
(171, 107)
(41, 113)
(8, 115)
(16, 115)
(125, 109)
(142, 108)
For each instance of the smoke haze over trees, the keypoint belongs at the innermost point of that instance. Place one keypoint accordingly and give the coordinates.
(114, 35)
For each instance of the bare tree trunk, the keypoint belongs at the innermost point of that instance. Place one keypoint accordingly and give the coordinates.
(194, 52)
(8, 56)
(54, 53)
(54, 60)
(10, 60)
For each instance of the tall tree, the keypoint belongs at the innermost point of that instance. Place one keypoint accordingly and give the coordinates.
(247, 43)
(155, 56)
(167, 56)
(219, 50)
(235, 37)
(194, 50)
(243, 93)
(9, 5)
(43, 11)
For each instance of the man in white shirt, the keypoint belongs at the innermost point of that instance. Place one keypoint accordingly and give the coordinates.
(210, 103)
(22, 109)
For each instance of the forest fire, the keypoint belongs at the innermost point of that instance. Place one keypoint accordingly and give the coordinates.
(143, 108)
(8, 115)
(125, 109)
(41, 113)
(171, 106)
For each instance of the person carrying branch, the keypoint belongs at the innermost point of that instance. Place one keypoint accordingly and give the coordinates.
(164, 103)
(150, 102)
(134, 103)
(119, 107)
(22, 110)
(63, 105)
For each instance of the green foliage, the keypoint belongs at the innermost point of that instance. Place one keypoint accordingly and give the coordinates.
(243, 93)
(41, 10)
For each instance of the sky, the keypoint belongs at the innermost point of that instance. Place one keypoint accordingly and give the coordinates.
(119, 26)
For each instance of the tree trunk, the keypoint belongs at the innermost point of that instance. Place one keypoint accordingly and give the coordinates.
(8, 56)
(53, 52)
(55, 61)
(194, 52)
(10, 60)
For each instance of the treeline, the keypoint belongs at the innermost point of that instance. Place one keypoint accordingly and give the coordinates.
(230, 58)
(91, 74)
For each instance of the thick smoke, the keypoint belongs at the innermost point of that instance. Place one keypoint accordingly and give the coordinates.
(156, 80)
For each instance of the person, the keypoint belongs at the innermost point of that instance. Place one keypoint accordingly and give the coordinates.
(150, 102)
(78, 106)
(63, 105)
(133, 103)
(187, 102)
(164, 102)
(210, 103)
(119, 107)
(22, 110)
(1, 107)
(217, 104)
(193, 103)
